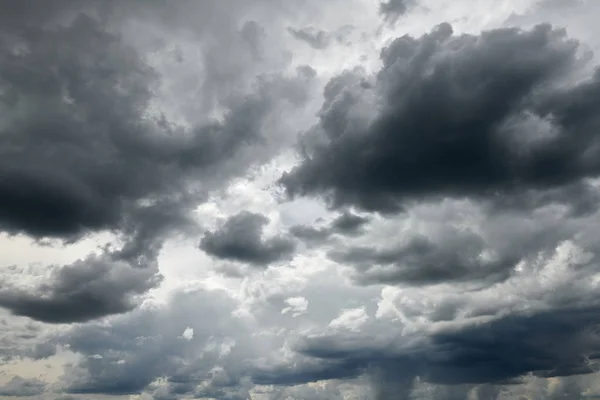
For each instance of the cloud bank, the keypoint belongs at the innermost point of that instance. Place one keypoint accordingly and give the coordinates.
(299, 200)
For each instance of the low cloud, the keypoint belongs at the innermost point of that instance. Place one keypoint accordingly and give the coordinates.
(240, 239)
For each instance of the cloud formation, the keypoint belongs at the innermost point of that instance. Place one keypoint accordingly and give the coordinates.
(82, 291)
(21, 387)
(85, 150)
(274, 199)
(240, 238)
(504, 130)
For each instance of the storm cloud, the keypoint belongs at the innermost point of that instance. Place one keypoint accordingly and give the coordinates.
(87, 289)
(85, 150)
(504, 129)
(240, 238)
(273, 199)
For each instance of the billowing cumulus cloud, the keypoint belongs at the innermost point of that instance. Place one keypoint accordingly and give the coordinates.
(86, 149)
(84, 290)
(456, 115)
(273, 199)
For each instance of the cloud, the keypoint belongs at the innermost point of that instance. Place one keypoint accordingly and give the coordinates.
(346, 224)
(504, 130)
(316, 39)
(393, 9)
(87, 145)
(458, 256)
(240, 238)
(87, 289)
(22, 387)
(296, 306)
(532, 324)
(440, 242)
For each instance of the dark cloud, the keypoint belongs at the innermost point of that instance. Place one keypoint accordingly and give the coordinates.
(22, 387)
(419, 260)
(310, 233)
(393, 9)
(85, 146)
(92, 156)
(87, 289)
(504, 130)
(548, 344)
(348, 223)
(241, 239)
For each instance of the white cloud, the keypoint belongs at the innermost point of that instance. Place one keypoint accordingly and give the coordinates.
(188, 334)
(296, 306)
(352, 319)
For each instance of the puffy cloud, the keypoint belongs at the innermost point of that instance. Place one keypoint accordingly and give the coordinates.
(504, 130)
(87, 145)
(82, 291)
(240, 239)
(454, 255)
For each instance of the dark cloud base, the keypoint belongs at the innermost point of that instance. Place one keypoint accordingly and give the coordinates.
(503, 132)
(82, 153)
(495, 119)
(241, 239)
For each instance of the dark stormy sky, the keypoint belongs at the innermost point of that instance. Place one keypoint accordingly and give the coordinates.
(299, 200)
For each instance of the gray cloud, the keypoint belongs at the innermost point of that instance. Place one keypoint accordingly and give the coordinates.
(478, 279)
(346, 224)
(87, 148)
(393, 9)
(87, 289)
(316, 39)
(241, 239)
(22, 387)
(146, 344)
(533, 324)
(319, 39)
(419, 260)
(549, 344)
(503, 129)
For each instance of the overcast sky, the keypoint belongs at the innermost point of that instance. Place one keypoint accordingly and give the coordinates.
(299, 199)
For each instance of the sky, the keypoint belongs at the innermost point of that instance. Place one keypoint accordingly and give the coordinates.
(283, 199)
